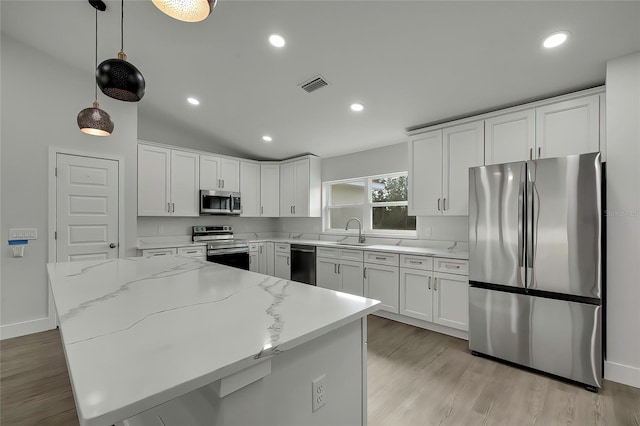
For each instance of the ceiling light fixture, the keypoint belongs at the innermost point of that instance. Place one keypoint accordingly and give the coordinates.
(555, 39)
(193, 101)
(276, 40)
(357, 107)
(186, 11)
(94, 121)
(118, 78)
(267, 138)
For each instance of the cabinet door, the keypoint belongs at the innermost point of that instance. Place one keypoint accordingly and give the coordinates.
(270, 190)
(451, 296)
(327, 273)
(382, 283)
(425, 174)
(185, 183)
(230, 174)
(287, 189)
(254, 262)
(415, 293)
(283, 265)
(154, 184)
(262, 258)
(250, 189)
(210, 173)
(301, 193)
(568, 128)
(270, 258)
(510, 137)
(350, 277)
(463, 147)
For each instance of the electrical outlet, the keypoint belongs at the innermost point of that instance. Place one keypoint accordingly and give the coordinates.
(318, 393)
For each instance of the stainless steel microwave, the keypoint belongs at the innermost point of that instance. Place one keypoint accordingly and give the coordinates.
(219, 202)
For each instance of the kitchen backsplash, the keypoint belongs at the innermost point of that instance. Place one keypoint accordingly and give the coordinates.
(178, 226)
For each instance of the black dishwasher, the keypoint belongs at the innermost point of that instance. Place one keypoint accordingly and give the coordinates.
(303, 264)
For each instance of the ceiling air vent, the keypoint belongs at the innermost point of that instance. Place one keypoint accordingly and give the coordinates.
(314, 84)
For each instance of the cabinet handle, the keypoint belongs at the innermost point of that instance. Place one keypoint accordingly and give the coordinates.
(287, 260)
(261, 209)
(380, 258)
(452, 266)
(338, 268)
(335, 268)
(444, 204)
(415, 262)
(192, 251)
(438, 204)
(291, 209)
(173, 207)
(435, 283)
(530, 153)
(260, 249)
(539, 152)
(429, 285)
(168, 207)
(294, 209)
(219, 184)
(223, 183)
(364, 273)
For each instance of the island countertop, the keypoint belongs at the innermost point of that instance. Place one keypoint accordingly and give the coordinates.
(138, 332)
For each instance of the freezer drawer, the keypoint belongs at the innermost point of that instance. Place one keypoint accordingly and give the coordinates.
(555, 336)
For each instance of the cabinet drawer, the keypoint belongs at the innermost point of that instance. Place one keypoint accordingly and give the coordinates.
(332, 253)
(158, 252)
(283, 247)
(391, 259)
(347, 254)
(253, 247)
(416, 262)
(451, 266)
(200, 251)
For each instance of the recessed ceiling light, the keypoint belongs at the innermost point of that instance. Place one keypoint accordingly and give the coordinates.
(555, 39)
(193, 101)
(276, 40)
(267, 138)
(357, 107)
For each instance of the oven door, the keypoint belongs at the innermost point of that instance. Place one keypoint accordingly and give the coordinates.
(236, 257)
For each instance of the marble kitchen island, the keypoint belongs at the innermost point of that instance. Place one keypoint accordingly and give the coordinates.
(177, 341)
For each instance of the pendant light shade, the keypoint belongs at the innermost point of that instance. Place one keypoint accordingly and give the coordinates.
(94, 121)
(118, 78)
(186, 10)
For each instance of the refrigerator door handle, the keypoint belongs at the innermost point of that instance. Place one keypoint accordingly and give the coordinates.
(530, 219)
(521, 227)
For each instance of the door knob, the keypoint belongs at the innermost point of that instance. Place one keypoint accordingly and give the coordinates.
(112, 245)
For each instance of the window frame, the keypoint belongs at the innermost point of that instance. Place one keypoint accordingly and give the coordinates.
(367, 208)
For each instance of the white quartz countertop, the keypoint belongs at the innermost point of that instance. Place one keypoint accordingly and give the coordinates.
(139, 332)
(161, 245)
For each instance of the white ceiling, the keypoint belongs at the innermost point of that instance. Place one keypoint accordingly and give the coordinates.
(409, 62)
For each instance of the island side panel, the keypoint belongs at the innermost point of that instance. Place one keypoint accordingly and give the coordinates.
(285, 395)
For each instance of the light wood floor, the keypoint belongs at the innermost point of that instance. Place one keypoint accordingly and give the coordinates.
(415, 377)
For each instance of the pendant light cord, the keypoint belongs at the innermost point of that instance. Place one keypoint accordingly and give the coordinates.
(122, 25)
(95, 85)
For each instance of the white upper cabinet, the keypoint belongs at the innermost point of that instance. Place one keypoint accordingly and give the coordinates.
(568, 128)
(463, 147)
(510, 137)
(425, 174)
(270, 190)
(168, 182)
(300, 186)
(219, 173)
(250, 188)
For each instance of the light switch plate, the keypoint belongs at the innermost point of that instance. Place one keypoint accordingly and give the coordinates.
(23, 234)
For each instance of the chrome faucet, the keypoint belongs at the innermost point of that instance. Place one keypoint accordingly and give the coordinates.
(360, 236)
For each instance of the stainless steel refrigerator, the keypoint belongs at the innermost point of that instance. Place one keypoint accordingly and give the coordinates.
(535, 265)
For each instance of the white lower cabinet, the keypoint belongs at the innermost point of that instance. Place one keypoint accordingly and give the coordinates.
(261, 258)
(415, 293)
(327, 273)
(340, 275)
(381, 282)
(451, 300)
(282, 261)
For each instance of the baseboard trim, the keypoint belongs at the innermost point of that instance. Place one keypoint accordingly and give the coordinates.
(423, 324)
(625, 374)
(26, 327)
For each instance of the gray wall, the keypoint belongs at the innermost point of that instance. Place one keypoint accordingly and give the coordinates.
(623, 228)
(41, 97)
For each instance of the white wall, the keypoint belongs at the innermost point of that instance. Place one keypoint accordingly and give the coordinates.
(623, 229)
(41, 97)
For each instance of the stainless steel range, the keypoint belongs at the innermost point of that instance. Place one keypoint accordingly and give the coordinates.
(222, 247)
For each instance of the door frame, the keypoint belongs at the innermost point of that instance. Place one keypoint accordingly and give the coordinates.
(53, 217)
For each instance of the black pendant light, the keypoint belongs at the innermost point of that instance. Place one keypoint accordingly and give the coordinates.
(117, 78)
(186, 10)
(94, 121)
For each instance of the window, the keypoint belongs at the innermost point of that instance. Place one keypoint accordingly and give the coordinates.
(380, 202)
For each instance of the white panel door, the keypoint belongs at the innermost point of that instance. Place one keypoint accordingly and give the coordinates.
(86, 208)
(154, 184)
(415, 293)
(250, 189)
(568, 128)
(301, 194)
(451, 295)
(510, 137)
(210, 173)
(382, 283)
(185, 182)
(425, 174)
(463, 147)
(350, 276)
(287, 189)
(282, 265)
(270, 190)
(327, 274)
(230, 174)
